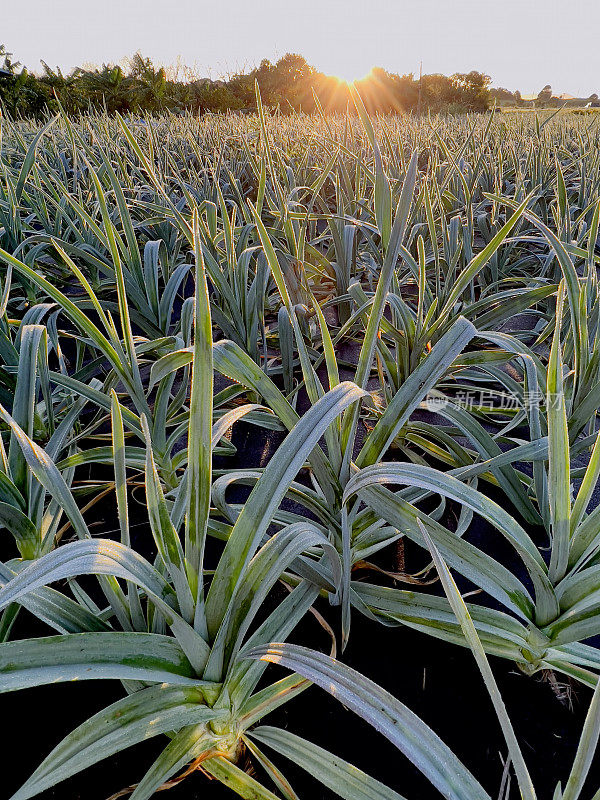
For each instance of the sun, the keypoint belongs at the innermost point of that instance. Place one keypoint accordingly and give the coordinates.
(350, 75)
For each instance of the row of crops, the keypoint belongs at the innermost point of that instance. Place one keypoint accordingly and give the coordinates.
(409, 310)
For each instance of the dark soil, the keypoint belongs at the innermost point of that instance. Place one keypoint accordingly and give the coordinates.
(438, 681)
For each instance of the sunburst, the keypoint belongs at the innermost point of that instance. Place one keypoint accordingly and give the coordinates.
(349, 75)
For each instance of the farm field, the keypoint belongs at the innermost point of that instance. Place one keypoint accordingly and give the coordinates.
(299, 438)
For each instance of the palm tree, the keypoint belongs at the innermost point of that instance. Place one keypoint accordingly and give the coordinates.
(9, 65)
(64, 87)
(108, 87)
(148, 86)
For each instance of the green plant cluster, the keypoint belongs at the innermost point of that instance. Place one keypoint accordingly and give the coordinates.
(413, 306)
(288, 85)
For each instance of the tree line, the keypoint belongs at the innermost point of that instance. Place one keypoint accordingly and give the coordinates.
(290, 84)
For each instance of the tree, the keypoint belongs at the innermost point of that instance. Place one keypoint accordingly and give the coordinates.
(20, 92)
(544, 96)
(287, 84)
(439, 92)
(473, 89)
(241, 86)
(8, 64)
(64, 87)
(108, 87)
(293, 80)
(504, 97)
(388, 93)
(147, 87)
(212, 96)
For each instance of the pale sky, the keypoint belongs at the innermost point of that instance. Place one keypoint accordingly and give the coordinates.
(522, 44)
